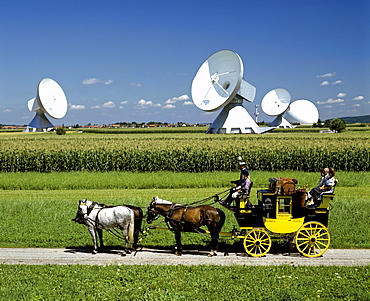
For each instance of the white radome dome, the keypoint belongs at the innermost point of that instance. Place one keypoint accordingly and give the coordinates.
(302, 111)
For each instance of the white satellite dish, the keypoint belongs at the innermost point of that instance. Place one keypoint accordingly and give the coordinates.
(51, 100)
(302, 111)
(275, 103)
(219, 84)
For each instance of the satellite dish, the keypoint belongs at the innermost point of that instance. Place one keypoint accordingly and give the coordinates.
(219, 84)
(50, 100)
(275, 103)
(302, 111)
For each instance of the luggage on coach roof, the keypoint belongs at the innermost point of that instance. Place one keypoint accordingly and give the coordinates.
(282, 186)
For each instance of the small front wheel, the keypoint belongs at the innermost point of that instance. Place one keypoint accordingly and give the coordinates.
(257, 242)
(312, 239)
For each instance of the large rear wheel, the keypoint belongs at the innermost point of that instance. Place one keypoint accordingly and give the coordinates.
(257, 242)
(312, 239)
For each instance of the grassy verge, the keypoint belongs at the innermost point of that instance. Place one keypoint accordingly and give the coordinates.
(162, 180)
(42, 218)
(183, 283)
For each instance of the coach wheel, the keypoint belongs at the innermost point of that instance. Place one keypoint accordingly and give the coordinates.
(257, 242)
(312, 239)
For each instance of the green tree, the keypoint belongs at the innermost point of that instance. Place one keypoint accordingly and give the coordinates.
(327, 123)
(337, 125)
(61, 131)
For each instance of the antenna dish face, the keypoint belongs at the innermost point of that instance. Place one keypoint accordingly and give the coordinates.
(276, 102)
(217, 80)
(302, 111)
(51, 98)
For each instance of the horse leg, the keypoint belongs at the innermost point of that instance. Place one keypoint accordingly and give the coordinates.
(100, 235)
(137, 228)
(126, 250)
(214, 243)
(214, 229)
(178, 250)
(93, 236)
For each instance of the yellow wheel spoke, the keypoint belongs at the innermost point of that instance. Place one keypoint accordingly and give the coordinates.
(322, 244)
(249, 245)
(304, 234)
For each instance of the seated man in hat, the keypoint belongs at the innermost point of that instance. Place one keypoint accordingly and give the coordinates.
(241, 186)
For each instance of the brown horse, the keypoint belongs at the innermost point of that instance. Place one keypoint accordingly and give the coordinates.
(188, 219)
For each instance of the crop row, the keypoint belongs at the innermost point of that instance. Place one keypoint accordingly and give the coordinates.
(355, 158)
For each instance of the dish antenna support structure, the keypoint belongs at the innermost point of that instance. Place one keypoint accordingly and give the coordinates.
(50, 100)
(219, 84)
(276, 103)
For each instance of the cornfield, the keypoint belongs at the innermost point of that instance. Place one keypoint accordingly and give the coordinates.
(184, 152)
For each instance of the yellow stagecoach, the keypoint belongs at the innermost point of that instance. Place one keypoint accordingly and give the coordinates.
(281, 214)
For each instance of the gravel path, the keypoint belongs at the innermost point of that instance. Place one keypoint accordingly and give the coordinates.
(31, 256)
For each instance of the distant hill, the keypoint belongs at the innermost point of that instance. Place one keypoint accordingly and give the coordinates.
(356, 119)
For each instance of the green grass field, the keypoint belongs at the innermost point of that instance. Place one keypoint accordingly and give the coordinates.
(36, 211)
(202, 283)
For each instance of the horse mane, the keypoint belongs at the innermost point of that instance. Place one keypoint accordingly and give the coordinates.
(105, 206)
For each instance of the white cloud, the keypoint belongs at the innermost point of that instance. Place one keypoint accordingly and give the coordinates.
(157, 105)
(325, 83)
(136, 85)
(337, 82)
(124, 102)
(327, 74)
(93, 81)
(356, 105)
(188, 103)
(77, 107)
(7, 111)
(169, 106)
(358, 98)
(109, 105)
(330, 100)
(142, 103)
(341, 94)
(176, 99)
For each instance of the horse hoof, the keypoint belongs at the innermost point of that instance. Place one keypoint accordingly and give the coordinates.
(94, 252)
(123, 254)
(178, 253)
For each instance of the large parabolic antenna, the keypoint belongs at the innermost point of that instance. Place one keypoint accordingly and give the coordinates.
(219, 84)
(275, 103)
(302, 111)
(50, 100)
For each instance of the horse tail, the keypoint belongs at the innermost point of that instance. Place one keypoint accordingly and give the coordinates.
(221, 220)
(131, 226)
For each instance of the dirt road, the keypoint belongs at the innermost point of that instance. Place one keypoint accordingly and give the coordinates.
(37, 256)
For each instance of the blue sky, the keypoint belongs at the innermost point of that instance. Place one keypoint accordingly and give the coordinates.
(135, 60)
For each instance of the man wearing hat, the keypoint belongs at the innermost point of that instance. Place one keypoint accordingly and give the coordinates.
(243, 169)
(241, 186)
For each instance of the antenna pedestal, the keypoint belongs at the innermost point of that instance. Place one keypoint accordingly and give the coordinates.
(235, 119)
(40, 123)
(280, 122)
